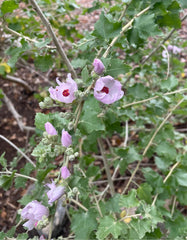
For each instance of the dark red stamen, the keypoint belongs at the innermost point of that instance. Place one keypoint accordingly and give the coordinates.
(66, 93)
(105, 89)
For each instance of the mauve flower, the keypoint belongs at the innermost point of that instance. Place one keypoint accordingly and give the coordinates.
(33, 211)
(65, 91)
(164, 54)
(65, 173)
(170, 48)
(50, 129)
(108, 90)
(55, 192)
(66, 139)
(176, 50)
(98, 66)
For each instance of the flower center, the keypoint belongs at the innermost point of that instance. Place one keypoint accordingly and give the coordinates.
(66, 93)
(105, 89)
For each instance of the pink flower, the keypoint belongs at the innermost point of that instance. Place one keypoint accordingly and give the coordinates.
(66, 139)
(33, 212)
(164, 54)
(50, 129)
(170, 48)
(176, 50)
(107, 90)
(65, 91)
(65, 172)
(98, 66)
(55, 192)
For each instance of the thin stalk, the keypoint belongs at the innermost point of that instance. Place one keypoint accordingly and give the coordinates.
(78, 204)
(107, 169)
(20, 175)
(53, 36)
(151, 98)
(150, 142)
(128, 25)
(14, 146)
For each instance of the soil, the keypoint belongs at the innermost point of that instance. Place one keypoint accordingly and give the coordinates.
(27, 106)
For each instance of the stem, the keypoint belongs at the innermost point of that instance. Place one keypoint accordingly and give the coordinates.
(25, 37)
(123, 30)
(22, 153)
(78, 204)
(80, 106)
(107, 169)
(149, 144)
(20, 175)
(53, 36)
(148, 99)
(168, 61)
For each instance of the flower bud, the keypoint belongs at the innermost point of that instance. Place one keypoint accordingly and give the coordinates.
(66, 139)
(65, 172)
(76, 154)
(42, 105)
(98, 66)
(70, 126)
(48, 101)
(71, 157)
(50, 129)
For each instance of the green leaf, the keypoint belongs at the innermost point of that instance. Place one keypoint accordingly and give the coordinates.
(6, 181)
(8, 6)
(116, 67)
(112, 205)
(167, 150)
(108, 225)
(153, 179)
(41, 174)
(144, 192)
(105, 29)
(85, 75)
(20, 181)
(129, 200)
(183, 3)
(145, 26)
(138, 91)
(83, 224)
(22, 236)
(78, 63)
(40, 120)
(182, 195)
(25, 200)
(43, 43)
(11, 232)
(90, 121)
(43, 63)
(181, 176)
(169, 84)
(3, 161)
(139, 228)
(2, 235)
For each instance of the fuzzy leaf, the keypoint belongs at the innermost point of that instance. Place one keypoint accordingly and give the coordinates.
(106, 29)
(43, 63)
(116, 67)
(8, 6)
(108, 225)
(129, 200)
(83, 224)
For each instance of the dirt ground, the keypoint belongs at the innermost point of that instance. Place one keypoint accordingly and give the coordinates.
(27, 105)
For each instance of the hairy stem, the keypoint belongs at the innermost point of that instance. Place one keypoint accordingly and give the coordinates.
(14, 146)
(78, 204)
(150, 142)
(53, 36)
(20, 175)
(151, 98)
(107, 169)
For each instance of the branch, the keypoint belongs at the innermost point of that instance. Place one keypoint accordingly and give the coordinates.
(16, 115)
(20, 175)
(107, 169)
(53, 36)
(150, 142)
(78, 204)
(14, 146)
(25, 37)
(148, 99)
(18, 81)
(128, 25)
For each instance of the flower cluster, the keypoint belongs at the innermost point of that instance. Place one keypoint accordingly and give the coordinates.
(35, 211)
(107, 90)
(171, 48)
(66, 137)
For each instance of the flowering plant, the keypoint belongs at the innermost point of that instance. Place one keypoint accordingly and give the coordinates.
(107, 156)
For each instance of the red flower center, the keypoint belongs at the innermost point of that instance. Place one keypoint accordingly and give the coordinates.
(66, 93)
(105, 89)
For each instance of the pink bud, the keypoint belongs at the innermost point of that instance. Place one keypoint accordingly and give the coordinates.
(170, 48)
(65, 172)
(50, 129)
(98, 66)
(66, 139)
